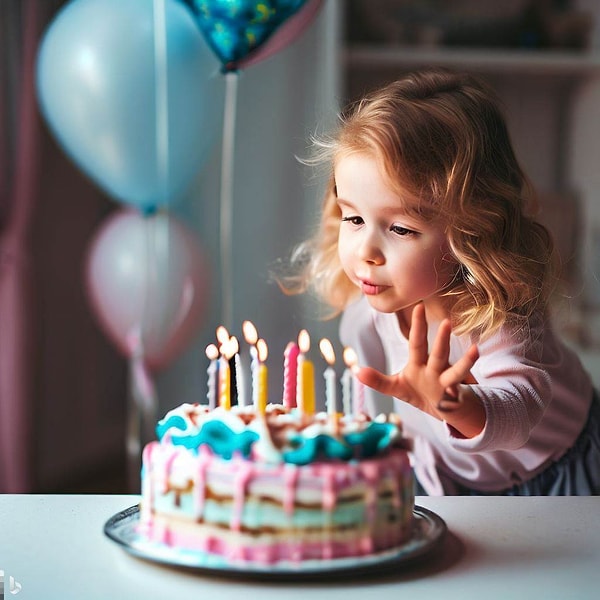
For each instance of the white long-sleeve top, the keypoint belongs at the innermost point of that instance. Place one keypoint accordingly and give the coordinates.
(535, 392)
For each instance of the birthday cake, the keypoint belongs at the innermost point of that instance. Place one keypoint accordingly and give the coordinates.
(277, 482)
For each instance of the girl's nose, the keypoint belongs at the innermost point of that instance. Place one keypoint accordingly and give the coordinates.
(370, 250)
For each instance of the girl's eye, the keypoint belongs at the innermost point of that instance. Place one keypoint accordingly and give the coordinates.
(353, 219)
(399, 230)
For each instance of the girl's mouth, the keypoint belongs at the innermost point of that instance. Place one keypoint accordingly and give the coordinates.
(371, 289)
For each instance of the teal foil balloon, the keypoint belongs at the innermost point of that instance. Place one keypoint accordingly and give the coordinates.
(236, 28)
(135, 100)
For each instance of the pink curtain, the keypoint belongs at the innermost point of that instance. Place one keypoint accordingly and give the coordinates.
(19, 131)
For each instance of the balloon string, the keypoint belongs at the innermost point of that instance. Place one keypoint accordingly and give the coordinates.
(162, 97)
(226, 224)
(143, 401)
(157, 230)
(141, 412)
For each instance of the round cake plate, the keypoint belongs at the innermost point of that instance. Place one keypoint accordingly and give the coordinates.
(428, 531)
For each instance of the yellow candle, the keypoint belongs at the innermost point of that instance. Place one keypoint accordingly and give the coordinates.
(308, 387)
(224, 383)
(262, 388)
(305, 389)
(228, 349)
(262, 384)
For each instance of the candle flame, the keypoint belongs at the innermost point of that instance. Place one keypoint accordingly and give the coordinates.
(235, 345)
(250, 333)
(304, 341)
(229, 348)
(327, 351)
(212, 352)
(350, 357)
(222, 335)
(263, 351)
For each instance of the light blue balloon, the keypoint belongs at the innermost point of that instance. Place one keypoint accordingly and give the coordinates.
(97, 89)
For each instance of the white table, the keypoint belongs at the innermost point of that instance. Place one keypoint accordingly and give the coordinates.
(496, 547)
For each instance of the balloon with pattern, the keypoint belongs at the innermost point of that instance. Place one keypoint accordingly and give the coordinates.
(238, 29)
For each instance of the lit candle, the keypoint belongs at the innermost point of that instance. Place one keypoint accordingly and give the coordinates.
(240, 382)
(347, 378)
(358, 389)
(251, 337)
(212, 353)
(224, 382)
(222, 335)
(262, 350)
(305, 388)
(329, 375)
(227, 352)
(290, 374)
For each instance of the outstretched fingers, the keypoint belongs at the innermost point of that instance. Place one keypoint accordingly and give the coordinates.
(389, 385)
(440, 350)
(417, 337)
(460, 371)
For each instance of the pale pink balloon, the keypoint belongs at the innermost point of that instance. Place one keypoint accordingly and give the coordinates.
(147, 282)
(284, 35)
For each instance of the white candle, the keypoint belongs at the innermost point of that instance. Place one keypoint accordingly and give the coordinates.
(358, 391)
(212, 353)
(251, 337)
(346, 391)
(329, 375)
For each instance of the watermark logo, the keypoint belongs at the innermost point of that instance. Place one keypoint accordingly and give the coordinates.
(14, 587)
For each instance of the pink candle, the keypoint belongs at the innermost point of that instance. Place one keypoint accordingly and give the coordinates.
(290, 374)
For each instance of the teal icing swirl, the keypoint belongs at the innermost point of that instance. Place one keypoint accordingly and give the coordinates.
(376, 438)
(221, 439)
(225, 442)
(175, 421)
(360, 444)
(309, 450)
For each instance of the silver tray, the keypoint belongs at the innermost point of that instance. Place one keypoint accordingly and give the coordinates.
(428, 531)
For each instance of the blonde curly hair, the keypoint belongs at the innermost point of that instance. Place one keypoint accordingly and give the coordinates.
(442, 142)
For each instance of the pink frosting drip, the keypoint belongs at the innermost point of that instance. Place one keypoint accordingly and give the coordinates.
(204, 460)
(245, 473)
(290, 480)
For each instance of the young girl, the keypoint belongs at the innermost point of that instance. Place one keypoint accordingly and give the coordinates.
(427, 245)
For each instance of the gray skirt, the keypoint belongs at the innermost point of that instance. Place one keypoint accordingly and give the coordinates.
(576, 473)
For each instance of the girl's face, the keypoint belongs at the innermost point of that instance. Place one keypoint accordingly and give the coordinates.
(396, 260)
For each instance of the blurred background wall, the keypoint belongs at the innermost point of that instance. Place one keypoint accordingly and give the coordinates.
(542, 56)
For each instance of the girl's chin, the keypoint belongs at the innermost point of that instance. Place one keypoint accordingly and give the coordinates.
(380, 305)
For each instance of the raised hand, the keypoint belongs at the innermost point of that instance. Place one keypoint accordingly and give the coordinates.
(429, 382)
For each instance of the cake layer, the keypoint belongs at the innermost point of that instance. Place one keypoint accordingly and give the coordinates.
(244, 509)
(272, 547)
